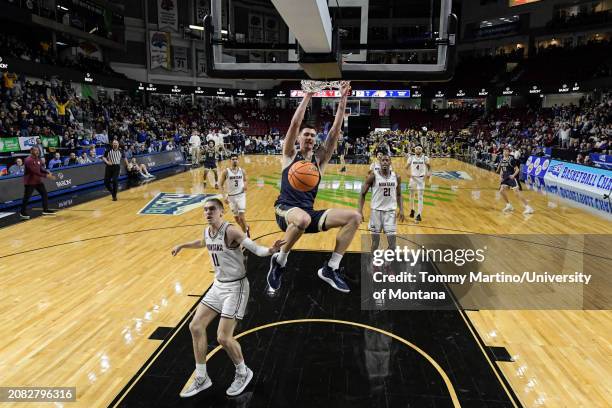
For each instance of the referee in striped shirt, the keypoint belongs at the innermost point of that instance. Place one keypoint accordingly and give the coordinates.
(112, 157)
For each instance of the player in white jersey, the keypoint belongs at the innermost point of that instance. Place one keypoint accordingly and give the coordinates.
(419, 168)
(375, 166)
(227, 296)
(234, 186)
(386, 199)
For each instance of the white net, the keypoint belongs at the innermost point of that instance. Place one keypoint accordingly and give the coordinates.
(317, 86)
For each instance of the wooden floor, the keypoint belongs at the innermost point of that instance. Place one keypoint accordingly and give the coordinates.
(82, 292)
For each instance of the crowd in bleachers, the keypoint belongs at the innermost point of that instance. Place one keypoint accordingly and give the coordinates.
(85, 126)
(576, 131)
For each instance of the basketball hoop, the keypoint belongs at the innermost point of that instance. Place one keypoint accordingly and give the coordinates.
(318, 86)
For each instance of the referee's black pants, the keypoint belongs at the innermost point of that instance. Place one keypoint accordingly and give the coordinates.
(111, 178)
(27, 193)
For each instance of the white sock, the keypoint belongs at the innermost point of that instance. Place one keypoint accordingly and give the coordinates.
(282, 258)
(241, 367)
(201, 370)
(334, 261)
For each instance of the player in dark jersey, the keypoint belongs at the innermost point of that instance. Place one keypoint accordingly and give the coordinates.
(210, 162)
(294, 209)
(508, 172)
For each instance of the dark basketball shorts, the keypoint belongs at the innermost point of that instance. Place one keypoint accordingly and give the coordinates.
(317, 218)
(512, 183)
(210, 165)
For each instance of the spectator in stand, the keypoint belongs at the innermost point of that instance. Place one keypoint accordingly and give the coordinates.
(71, 160)
(83, 159)
(61, 109)
(40, 147)
(17, 169)
(9, 79)
(56, 161)
(68, 142)
(564, 136)
(93, 157)
(139, 169)
(32, 180)
(580, 158)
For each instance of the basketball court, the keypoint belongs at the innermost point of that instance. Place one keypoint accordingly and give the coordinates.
(110, 309)
(93, 298)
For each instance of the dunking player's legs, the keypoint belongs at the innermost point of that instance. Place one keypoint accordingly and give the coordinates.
(348, 221)
(297, 222)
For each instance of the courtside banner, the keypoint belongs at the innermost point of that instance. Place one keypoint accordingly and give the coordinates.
(602, 160)
(594, 203)
(592, 179)
(536, 166)
(11, 188)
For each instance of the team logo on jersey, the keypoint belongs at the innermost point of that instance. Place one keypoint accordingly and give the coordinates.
(173, 203)
(452, 175)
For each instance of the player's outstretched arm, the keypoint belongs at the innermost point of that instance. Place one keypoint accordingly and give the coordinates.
(244, 179)
(294, 126)
(369, 181)
(326, 151)
(234, 236)
(400, 201)
(198, 243)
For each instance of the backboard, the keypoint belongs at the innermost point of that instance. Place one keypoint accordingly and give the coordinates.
(369, 40)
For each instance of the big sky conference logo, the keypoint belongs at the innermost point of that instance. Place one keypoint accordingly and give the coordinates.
(173, 204)
(452, 175)
(556, 169)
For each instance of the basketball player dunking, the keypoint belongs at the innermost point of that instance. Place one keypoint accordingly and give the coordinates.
(210, 162)
(419, 167)
(508, 173)
(233, 186)
(386, 199)
(294, 209)
(228, 296)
